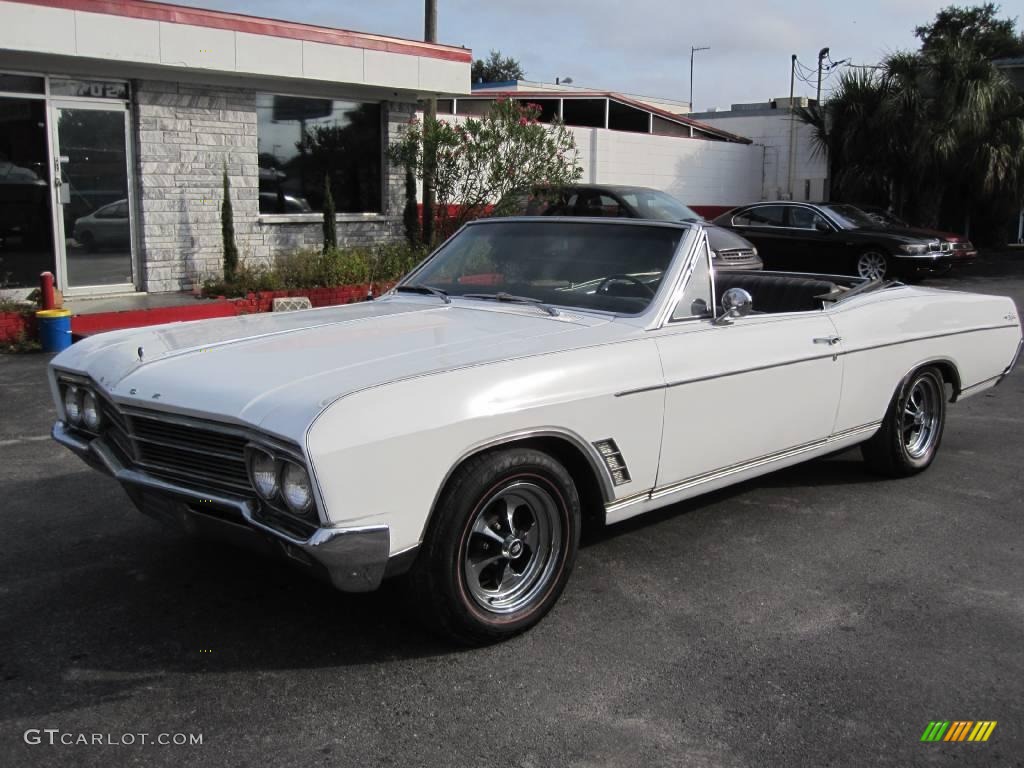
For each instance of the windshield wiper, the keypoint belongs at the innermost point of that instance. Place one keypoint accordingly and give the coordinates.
(513, 300)
(426, 289)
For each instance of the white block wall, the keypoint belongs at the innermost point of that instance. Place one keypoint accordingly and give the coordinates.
(695, 171)
(772, 131)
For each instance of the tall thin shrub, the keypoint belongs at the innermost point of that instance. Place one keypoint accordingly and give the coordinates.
(330, 224)
(227, 229)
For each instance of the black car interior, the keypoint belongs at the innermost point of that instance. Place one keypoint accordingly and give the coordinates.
(776, 293)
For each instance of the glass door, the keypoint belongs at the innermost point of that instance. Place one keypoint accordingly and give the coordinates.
(94, 196)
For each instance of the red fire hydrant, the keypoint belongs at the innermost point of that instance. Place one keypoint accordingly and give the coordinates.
(46, 298)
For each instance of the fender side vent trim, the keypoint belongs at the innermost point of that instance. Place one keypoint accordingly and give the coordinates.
(612, 458)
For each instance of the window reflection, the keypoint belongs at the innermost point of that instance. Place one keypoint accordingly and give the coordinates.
(300, 140)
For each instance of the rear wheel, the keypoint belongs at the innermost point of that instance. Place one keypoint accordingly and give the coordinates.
(500, 548)
(912, 429)
(874, 265)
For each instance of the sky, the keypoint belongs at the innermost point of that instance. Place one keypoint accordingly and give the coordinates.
(641, 46)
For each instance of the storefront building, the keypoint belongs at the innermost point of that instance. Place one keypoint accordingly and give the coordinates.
(118, 119)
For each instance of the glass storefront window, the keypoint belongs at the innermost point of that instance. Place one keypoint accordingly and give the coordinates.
(300, 140)
(26, 234)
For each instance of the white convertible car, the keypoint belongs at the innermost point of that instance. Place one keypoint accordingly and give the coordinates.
(530, 373)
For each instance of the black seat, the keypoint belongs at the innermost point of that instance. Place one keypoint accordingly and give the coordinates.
(775, 293)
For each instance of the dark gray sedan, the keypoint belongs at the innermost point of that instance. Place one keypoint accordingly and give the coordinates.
(729, 250)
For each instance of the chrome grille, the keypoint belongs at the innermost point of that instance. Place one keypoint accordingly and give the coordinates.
(740, 255)
(208, 456)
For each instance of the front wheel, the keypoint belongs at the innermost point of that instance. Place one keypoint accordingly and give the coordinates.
(500, 548)
(874, 265)
(912, 429)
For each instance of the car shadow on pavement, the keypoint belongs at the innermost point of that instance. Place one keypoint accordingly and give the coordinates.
(836, 469)
(124, 603)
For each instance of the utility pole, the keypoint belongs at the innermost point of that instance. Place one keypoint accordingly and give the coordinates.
(821, 57)
(429, 118)
(693, 50)
(792, 126)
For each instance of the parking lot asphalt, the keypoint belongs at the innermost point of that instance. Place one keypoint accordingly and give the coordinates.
(818, 616)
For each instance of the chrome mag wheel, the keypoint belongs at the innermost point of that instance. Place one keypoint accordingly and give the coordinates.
(920, 418)
(872, 265)
(513, 547)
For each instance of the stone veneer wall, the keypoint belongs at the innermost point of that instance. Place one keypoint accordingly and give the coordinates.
(185, 135)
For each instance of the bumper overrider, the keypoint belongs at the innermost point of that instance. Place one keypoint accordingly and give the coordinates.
(351, 559)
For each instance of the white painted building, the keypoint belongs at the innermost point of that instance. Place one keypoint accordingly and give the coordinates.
(771, 125)
(118, 119)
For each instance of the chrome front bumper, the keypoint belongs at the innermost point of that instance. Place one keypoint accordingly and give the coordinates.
(352, 559)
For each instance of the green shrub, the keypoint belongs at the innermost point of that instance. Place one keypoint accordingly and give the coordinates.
(310, 268)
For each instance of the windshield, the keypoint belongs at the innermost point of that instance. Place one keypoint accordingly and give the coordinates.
(661, 206)
(887, 219)
(587, 265)
(850, 217)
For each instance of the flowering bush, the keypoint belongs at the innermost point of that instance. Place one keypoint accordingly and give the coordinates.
(479, 161)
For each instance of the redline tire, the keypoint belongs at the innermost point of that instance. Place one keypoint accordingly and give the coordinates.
(500, 547)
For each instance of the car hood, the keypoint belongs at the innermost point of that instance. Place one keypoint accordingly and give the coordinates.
(278, 371)
(930, 234)
(899, 234)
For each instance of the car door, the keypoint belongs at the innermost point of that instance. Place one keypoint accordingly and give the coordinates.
(812, 240)
(765, 227)
(745, 394)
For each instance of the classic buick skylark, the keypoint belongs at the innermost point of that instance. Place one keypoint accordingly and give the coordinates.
(528, 374)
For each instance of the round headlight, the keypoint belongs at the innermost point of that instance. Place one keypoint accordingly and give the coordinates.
(91, 415)
(263, 473)
(296, 489)
(73, 404)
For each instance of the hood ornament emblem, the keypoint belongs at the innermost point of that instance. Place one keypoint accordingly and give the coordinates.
(140, 354)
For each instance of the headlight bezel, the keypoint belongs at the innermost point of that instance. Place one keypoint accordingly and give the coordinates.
(72, 409)
(279, 500)
(96, 424)
(77, 391)
(257, 453)
(300, 510)
(914, 249)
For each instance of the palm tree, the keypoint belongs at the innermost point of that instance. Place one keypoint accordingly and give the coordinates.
(848, 130)
(936, 135)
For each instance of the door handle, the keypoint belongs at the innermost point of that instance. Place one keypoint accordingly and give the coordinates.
(830, 340)
(63, 190)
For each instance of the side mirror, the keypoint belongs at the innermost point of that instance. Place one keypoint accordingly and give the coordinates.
(736, 302)
(822, 226)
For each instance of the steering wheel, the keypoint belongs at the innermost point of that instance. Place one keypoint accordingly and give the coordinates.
(602, 287)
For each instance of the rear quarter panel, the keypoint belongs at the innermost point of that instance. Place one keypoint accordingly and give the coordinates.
(888, 334)
(381, 455)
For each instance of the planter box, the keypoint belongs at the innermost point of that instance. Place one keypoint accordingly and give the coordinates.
(15, 326)
(263, 301)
